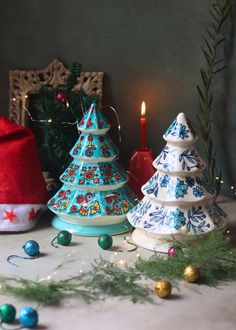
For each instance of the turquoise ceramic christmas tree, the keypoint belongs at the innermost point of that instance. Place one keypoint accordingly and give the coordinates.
(179, 200)
(94, 198)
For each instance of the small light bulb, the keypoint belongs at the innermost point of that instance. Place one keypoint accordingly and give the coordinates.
(217, 178)
(81, 271)
(221, 181)
(115, 253)
(232, 187)
(49, 120)
(122, 263)
(14, 99)
(26, 96)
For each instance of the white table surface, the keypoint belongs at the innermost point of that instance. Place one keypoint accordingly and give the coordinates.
(202, 308)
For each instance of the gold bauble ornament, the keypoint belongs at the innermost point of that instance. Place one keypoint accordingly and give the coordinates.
(163, 288)
(191, 274)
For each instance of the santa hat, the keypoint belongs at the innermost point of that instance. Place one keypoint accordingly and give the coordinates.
(22, 188)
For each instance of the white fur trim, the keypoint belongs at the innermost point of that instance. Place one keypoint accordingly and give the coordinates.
(24, 216)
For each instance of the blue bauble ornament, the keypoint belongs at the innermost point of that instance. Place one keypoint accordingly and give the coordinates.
(31, 248)
(28, 317)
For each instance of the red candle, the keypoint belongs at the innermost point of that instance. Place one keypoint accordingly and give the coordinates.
(143, 126)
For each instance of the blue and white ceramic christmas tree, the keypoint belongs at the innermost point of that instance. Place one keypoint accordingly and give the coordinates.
(94, 198)
(178, 199)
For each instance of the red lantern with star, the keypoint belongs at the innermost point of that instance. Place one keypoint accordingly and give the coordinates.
(22, 191)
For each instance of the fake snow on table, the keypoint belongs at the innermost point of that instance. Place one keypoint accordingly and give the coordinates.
(94, 198)
(178, 199)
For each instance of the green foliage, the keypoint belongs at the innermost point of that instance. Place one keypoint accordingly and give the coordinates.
(214, 63)
(212, 254)
(46, 292)
(110, 280)
(60, 133)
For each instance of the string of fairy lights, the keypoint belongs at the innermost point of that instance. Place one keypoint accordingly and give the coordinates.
(122, 262)
(231, 189)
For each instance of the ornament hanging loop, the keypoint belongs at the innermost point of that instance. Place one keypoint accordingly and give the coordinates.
(31, 248)
(64, 238)
(131, 244)
(53, 242)
(19, 257)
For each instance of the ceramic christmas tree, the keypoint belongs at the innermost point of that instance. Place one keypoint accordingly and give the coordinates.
(94, 198)
(178, 199)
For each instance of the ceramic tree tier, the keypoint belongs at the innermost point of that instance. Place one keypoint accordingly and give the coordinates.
(178, 199)
(94, 198)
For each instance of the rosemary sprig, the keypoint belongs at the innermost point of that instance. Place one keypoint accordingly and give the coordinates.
(214, 256)
(213, 65)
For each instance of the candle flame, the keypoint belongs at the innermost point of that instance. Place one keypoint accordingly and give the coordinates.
(143, 109)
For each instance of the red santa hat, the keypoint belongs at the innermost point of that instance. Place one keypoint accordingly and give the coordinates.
(22, 188)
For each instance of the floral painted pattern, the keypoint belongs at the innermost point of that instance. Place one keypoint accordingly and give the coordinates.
(139, 211)
(172, 159)
(166, 187)
(161, 218)
(189, 159)
(198, 191)
(152, 185)
(196, 220)
(92, 204)
(182, 132)
(93, 120)
(94, 146)
(166, 159)
(176, 219)
(171, 128)
(164, 181)
(177, 189)
(158, 216)
(87, 174)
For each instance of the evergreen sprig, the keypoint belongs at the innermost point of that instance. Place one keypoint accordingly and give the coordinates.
(213, 42)
(56, 137)
(213, 255)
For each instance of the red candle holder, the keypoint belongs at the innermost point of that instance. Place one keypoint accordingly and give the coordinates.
(140, 169)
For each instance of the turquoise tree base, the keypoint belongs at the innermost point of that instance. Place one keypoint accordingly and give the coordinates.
(116, 229)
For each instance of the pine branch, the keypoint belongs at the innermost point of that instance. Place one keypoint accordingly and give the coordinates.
(56, 138)
(213, 65)
(213, 255)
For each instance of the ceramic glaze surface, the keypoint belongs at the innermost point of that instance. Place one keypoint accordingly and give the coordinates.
(169, 188)
(94, 191)
(180, 131)
(93, 122)
(92, 204)
(165, 219)
(178, 198)
(177, 159)
(92, 147)
(94, 176)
